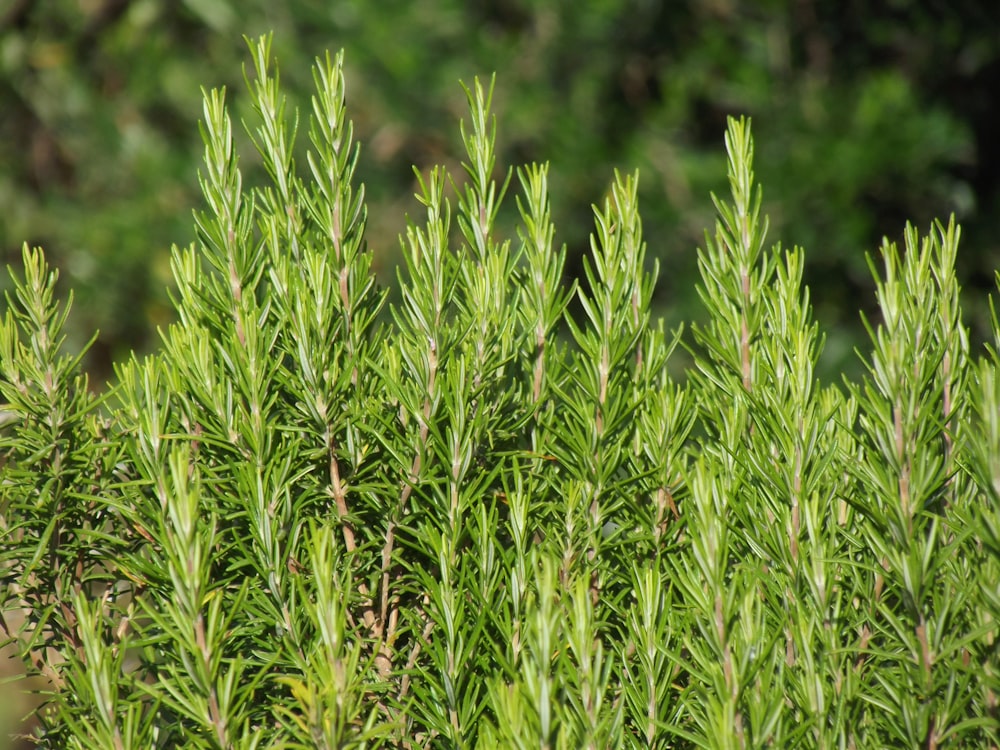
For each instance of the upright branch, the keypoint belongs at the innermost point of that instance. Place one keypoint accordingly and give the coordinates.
(734, 267)
(907, 406)
(543, 300)
(600, 392)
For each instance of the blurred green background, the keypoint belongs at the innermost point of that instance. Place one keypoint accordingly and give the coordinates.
(865, 115)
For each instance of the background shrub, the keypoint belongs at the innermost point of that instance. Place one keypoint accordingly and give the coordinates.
(866, 118)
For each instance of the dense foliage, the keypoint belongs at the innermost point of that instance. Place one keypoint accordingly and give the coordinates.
(315, 518)
(867, 115)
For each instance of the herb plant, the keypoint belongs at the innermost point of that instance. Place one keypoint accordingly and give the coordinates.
(314, 519)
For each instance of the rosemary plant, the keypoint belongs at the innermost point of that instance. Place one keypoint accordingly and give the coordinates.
(469, 519)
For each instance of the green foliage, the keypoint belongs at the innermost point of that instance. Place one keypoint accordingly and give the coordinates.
(477, 520)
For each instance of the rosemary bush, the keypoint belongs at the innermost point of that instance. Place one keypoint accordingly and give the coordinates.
(316, 520)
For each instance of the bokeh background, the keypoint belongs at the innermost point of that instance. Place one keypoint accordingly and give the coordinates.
(866, 115)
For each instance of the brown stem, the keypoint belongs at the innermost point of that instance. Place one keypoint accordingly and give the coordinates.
(339, 494)
(214, 712)
(404, 685)
(373, 625)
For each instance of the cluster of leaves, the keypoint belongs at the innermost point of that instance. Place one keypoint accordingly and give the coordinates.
(305, 524)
